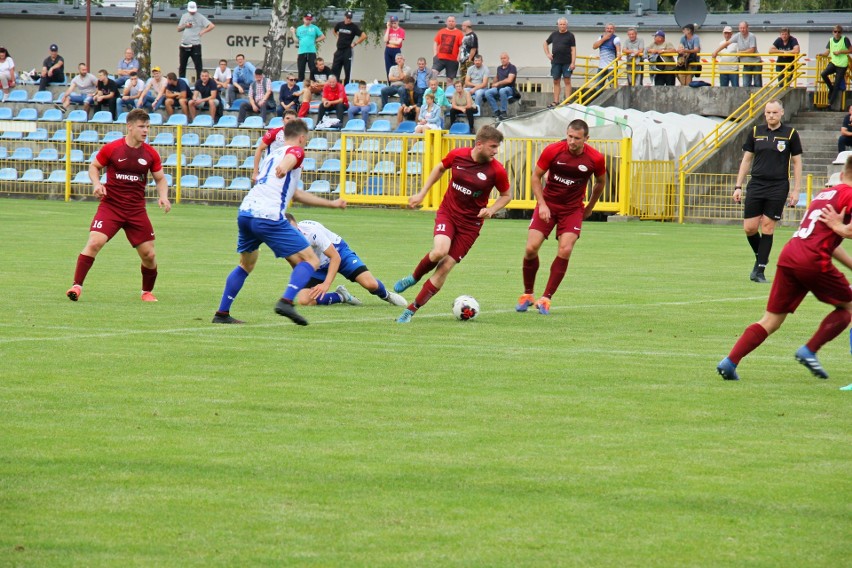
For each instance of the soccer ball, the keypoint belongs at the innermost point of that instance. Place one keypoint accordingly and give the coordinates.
(465, 308)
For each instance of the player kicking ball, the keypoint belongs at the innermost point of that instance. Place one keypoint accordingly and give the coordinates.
(569, 164)
(122, 202)
(335, 257)
(805, 266)
(473, 173)
(261, 220)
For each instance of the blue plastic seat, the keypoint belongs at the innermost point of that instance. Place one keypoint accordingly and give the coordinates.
(42, 97)
(156, 119)
(88, 136)
(189, 181)
(275, 122)
(375, 186)
(318, 144)
(351, 89)
(242, 183)
(309, 122)
(330, 165)
(351, 188)
(202, 161)
(77, 116)
(369, 145)
(358, 167)
(33, 174)
(27, 113)
(102, 117)
(122, 118)
(172, 160)
(37, 134)
(112, 136)
(76, 156)
(215, 140)
(248, 163)
(92, 157)
(252, 122)
(214, 182)
(460, 128)
(3, 152)
(355, 125)
(177, 120)
(309, 164)
(320, 186)
(12, 135)
(204, 120)
(276, 86)
(338, 145)
(374, 109)
(24, 153)
(8, 174)
(406, 127)
(59, 135)
(417, 148)
(164, 139)
(17, 96)
(449, 91)
(48, 154)
(414, 168)
(56, 176)
(6, 113)
(390, 108)
(227, 121)
(240, 141)
(384, 167)
(51, 114)
(153, 182)
(227, 161)
(189, 139)
(375, 89)
(380, 125)
(393, 147)
(81, 178)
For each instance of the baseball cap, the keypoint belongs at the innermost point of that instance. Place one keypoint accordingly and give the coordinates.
(348, 14)
(192, 7)
(154, 69)
(54, 47)
(394, 19)
(660, 33)
(728, 30)
(308, 16)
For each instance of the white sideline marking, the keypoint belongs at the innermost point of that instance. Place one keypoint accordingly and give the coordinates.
(207, 328)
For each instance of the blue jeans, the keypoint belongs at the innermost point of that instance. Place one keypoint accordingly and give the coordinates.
(754, 79)
(364, 111)
(504, 93)
(391, 90)
(729, 80)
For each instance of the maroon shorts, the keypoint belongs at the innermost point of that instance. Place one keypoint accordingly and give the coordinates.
(791, 286)
(462, 237)
(565, 221)
(136, 224)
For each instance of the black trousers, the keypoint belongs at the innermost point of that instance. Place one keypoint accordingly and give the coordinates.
(110, 104)
(185, 53)
(839, 84)
(454, 114)
(55, 77)
(342, 62)
(306, 60)
(338, 109)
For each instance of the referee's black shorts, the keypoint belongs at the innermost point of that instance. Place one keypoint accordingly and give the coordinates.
(766, 197)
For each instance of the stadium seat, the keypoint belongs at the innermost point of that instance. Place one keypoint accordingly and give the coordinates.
(37, 134)
(242, 183)
(33, 174)
(203, 120)
(56, 176)
(393, 147)
(177, 120)
(112, 136)
(189, 180)
(276, 86)
(417, 148)
(17, 96)
(350, 89)
(375, 89)
(351, 188)
(803, 199)
(449, 91)
(252, 122)
(227, 121)
(214, 182)
(358, 167)
(227, 161)
(318, 144)
(51, 114)
(355, 125)
(309, 164)
(374, 109)
(189, 139)
(375, 186)
(81, 178)
(384, 167)
(76, 156)
(59, 135)
(318, 186)
(12, 135)
(314, 107)
(48, 155)
(3, 152)
(380, 126)
(122, 118)
(390, 109)
(156, 118)
(460, 129)
(240, 141)
(6, 113)
(164, 139)
(202, 161)
(87, 136)
(23, 153)
(369, 145)
(338, 145)
(102, 117)
(414, 168)
(215, 140)
(330, 165)
(841, 157)
(42, 97)
(27, 113)
(172, 160)
(276, 122)
(248, 163)
(309, 122)
(833, 180)
(405, 127)
(153, 182)
(11, 174)
(77, 116)
(92, 157)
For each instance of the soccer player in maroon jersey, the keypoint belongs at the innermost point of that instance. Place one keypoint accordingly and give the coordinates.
(805, 266)
(569, 164)
(128, 161)
(473, 173)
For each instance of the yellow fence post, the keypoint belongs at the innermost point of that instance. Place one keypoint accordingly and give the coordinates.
(344, 161)
(809, 189)
(528, 194)
(179, 163)
(681, 196)
(67, 160)
(625, 168)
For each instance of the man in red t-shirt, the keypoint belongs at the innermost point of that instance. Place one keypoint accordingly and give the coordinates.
(473, 174)
(333, 99)
(446, 49)
(569, 165)
(805, 266)
(122, 202)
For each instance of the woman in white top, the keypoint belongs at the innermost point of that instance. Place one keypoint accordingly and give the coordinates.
(7, 71)
(431, 115)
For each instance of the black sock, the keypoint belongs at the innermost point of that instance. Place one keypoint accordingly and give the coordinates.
(763, 252)
(754, 242)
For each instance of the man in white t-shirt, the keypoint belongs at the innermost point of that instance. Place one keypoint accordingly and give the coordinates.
(222, 77)
(154, 91)
(86, 84)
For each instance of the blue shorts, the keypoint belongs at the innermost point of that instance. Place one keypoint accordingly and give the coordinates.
(284, 239)
(559, 70)
(351, 266)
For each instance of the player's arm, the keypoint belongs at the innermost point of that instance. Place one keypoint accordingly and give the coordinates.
(303, 196)
(745, 166)
(841, 256)
(538, 193)
(433, 178)
(95, 176)
(321, 289)
(597, 190)
(793, 197)
(162, 190)
(834, 220)
(499, 203)
(258, 155)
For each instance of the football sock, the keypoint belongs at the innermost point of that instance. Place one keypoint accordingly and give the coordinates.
(84, 264)
(763, 251)
(233, 285)
(301, 275)
(149, 277)
(557, 272)
(530, 268)
(381, 291)
(426, 292)
(754, 242)
(424, 267)
(330, 298)
(751, 338)
(832, 326)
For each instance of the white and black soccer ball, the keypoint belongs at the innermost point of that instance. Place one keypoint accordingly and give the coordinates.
(465, 308)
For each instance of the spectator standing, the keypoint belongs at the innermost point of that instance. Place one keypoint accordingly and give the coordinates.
(319, 76)
(7, 71)
(206, 95)
(126, 66)
(609, 49)
(728, 68)
(461, 104)
(634, 51)
(422, 75)
(837, 49)
(787, 45)
(241, 78)
(690, 46)
(476, 81)
(360, 103)
(563, 59)
(845, 139)
(177, 94)
(469, 48)
(288, 96)
(446, 49)
(106, 94)
(746, 43)
(260, 97)
(394, 36)
(222, 76)
(661, 57)
(52, 69)
(307, 37)
(192, 26)
(132, 89)
(503, 87)
(333, 99)
(348, 34)
(86, 84)
(396, 76)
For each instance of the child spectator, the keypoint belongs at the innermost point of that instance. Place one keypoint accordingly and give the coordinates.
(305, 96)
(360, 103)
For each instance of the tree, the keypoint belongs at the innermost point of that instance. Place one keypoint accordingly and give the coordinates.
(273, 60)
(140, 37)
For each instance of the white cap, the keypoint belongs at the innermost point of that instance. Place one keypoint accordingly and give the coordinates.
(192, 7)
(728, 30)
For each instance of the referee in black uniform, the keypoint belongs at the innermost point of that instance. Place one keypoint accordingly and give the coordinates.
(768, 152)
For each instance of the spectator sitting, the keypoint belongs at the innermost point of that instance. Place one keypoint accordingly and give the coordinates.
(319, 76)
(333, 98)
(476, 81)
(176, 91)
(845, 139)
(241, 79)
(288, 96)
(260, 97)
(396, 76)
(422, 75)
(409, 110)
(360, 103)
(690, 46)
(154, 91)
(438, 93)
(132, 89)
(125, 67)
(85, 83)
(106, 94)
(462, 104)
(206, 95)
(7, 71)
(52, 69)
(305, 96)
(431, 115)
(222, 78)
(503, 87)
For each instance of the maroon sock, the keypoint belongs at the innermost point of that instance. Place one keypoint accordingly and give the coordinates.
(84, 264)
(832, 326)
(557, 273)
(423, 268)
(149, 276)
(426, 292)
(530, 269)
(751, 338)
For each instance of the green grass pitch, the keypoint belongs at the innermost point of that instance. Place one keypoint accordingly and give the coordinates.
(139, 434)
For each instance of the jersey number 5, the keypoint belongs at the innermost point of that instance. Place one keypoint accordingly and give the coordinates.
(806, 227)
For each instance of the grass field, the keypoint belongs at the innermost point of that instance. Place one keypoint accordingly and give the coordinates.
(140, 434)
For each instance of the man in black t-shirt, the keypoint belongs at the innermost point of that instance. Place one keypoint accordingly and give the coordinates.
(177, 92)
(845, 139)
(52, 69)
(768, 151)
(788, 45)
(348, 35)
(206, 96)
(106, 94)
(562, 59)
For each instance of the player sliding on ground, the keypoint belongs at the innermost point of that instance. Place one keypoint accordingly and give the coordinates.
(122, 202)
(805, 266)
(473, 173)
(261, 220)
